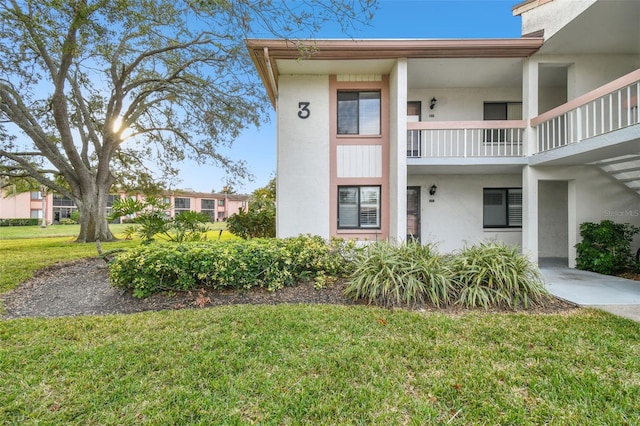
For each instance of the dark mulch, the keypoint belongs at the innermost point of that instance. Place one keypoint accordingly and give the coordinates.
(82, 288)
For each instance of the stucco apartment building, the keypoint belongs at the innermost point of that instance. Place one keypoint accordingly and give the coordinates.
(30, 205)
(459, 141)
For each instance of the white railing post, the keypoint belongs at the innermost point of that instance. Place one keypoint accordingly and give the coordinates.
(628, 105)
(578, 124)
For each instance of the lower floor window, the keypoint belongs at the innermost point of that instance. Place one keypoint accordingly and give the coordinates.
(502, 207)
(358, 207)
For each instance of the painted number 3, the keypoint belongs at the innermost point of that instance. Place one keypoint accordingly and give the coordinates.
(303, 110)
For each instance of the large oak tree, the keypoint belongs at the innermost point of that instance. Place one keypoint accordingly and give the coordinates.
(104, 92)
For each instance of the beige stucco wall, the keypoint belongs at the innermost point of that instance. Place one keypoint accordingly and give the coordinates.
(454, 218)
(303, 157)
(552, 16)
(459, 104)
(592, 196)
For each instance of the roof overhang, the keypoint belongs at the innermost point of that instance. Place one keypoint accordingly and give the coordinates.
(266, 53)
(527, 5)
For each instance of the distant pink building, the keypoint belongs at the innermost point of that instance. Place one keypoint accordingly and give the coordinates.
(57, 207)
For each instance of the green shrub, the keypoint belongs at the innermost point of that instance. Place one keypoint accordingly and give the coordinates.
(390, 275)
(189, 226)
(493, 274)
(239, 264)
(605, 247)
(256, 222)
(19, 222)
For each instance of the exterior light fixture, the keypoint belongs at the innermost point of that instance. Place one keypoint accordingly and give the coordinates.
(432, 190)
(432, 104)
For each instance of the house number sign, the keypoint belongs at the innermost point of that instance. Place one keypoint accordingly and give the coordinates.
(303, 110)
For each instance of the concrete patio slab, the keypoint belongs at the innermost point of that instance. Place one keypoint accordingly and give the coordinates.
(612, 294)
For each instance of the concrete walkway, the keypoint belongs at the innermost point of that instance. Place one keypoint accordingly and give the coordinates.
(612, 294)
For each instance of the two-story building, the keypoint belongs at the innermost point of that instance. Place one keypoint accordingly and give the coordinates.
(456, 141)
(54, 208)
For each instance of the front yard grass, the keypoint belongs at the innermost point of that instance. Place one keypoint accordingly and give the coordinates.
(310, 364)
(25, 249)
(298, 364)
(20, 258)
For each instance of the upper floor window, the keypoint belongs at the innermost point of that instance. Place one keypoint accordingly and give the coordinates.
(112, 198)
(182, 203)
(502, 207)
(207, 204)
(221, 202)
(502, 111)
(36, 195)
(359, 113)
(62, 201)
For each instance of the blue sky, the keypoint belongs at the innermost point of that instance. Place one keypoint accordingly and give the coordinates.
(394, 19)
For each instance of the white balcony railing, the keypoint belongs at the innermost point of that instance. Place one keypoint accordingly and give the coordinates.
(492, 138)
(608, 108)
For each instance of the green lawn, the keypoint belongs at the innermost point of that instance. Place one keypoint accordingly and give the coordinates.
(16, 232)
(328, 365)
(24, 249)
(298, 364)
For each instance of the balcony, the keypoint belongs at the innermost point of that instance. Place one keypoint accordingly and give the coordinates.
(607, 109)
(465, 139)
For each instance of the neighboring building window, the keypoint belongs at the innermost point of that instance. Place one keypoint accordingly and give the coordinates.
(62, 201)
(502, 207)
(358, 207)
(358, 113)
(111, 198)
(221, 202)
(207, 204)
(208, 207)
(36, 195)
(244, 204)
(182, 203)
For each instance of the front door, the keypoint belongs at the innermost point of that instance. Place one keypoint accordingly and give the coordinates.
(413, 213)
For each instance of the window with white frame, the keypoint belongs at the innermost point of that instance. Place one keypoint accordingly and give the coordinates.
(358, 207)
(358, 112)
(502, 207)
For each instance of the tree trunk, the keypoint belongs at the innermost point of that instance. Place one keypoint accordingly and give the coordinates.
(93, 215)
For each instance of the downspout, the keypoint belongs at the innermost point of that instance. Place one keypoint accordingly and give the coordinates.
(272, 78)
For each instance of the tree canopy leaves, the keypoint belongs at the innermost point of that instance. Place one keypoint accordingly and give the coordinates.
(117, 91)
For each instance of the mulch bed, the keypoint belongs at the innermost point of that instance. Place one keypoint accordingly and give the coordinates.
(82, 288)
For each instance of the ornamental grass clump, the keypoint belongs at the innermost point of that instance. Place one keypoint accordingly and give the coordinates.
(493, 274)
(390, 275)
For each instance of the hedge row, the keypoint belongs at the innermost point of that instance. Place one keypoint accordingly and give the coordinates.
(269, 263)
(19, 222)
